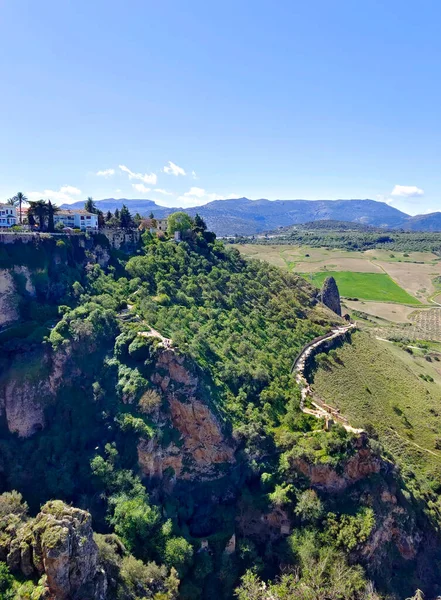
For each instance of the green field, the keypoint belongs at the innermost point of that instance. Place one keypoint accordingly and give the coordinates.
(378, 287)
(381, 385)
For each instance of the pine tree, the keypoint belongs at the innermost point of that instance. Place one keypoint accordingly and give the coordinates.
(125, 217)
(90, 206)
(51, 210)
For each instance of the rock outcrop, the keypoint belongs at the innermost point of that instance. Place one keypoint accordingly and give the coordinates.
(59, 544)
(203, 445)
(361, 464)
(330, 295)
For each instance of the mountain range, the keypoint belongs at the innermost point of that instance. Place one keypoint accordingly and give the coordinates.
(242, 216)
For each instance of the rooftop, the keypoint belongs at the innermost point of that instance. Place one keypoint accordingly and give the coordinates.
(74, 211)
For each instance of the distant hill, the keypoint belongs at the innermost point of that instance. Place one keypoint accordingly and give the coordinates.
(242, 216)
(143, 207)
(430, 222)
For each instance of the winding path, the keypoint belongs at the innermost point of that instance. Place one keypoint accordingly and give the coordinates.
(320, 410)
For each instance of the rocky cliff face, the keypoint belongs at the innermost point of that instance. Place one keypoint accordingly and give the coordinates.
(330, 295)
(202, 444)
(395, 522)
(24, 397)
(9, 292)
(58, 544)
(360, 465)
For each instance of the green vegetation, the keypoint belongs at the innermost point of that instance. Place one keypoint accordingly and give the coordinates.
(111, 396)
(389, 398)
(369, 286)
(350, 236)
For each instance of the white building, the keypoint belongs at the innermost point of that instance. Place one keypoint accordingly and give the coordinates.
(8, 215)
(76, 219)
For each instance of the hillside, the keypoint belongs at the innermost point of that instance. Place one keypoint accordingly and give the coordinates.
(154, 393)
(395, 395)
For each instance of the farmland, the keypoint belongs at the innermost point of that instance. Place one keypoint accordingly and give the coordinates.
(370, 286)
(411, 272)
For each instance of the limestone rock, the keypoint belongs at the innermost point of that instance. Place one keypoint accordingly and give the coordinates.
(23, 400)
(361, 464)
(203, 444)
(59, 544)
(330, 295)
(8, 299)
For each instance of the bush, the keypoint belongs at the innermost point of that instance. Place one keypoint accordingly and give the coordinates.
(12, 503)
(150, 401)
(309, 506)
(178, 554)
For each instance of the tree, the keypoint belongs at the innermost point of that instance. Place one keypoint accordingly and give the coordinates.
(125, 217)
(90, 206)
(11, 201)
(199, 223)
(101, 221)
(38, 212)
(309, 506)
(151, 215)
(178, 554)
(51, 210)
(179, 221)
(108, 216)
(137, 523)
(20, 199)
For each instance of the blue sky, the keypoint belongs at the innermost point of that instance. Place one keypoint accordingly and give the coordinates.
(285, 99)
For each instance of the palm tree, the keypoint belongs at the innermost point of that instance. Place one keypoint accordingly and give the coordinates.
(20, 199)
(38, 210)
(11, 201)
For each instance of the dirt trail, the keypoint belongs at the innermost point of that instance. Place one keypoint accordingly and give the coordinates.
(320, 410)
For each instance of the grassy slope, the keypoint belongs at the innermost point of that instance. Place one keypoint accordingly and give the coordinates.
(369, 286)
(374, 384)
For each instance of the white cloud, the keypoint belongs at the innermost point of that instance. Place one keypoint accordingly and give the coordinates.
(172, 169)
(105, 173)
(407, 191)
(61, 196)
(146, 178)
(140, 187)
(164, 192)
(193, 174)
(197, 192)
(197, 196)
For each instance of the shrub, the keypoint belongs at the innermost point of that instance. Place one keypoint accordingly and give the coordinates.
(309, 506)
(12, 503)
(149, 402)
